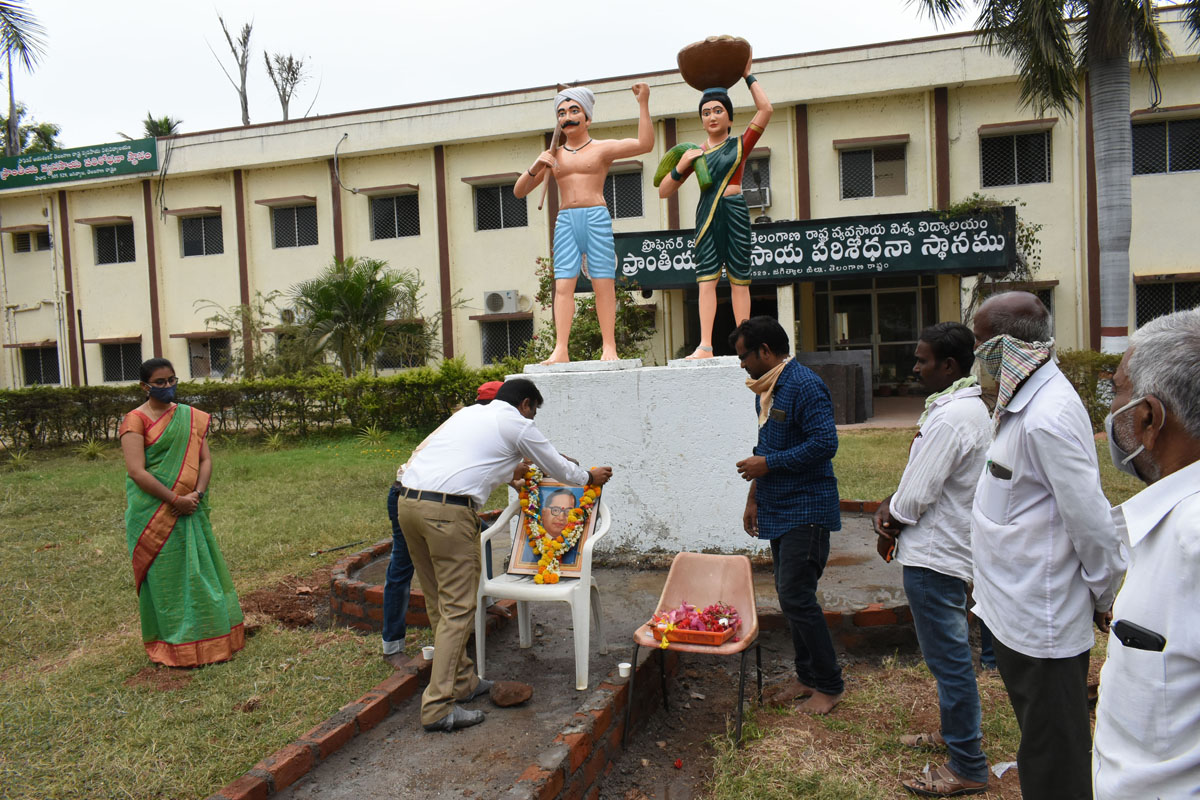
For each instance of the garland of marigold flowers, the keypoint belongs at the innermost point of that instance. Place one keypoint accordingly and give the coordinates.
(551, 549)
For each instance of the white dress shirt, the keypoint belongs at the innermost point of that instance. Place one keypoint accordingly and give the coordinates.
(938, 485)
(1046, 552)
(1148, 717)
(477, 450)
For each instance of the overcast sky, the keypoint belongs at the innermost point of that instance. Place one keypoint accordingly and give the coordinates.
(109, 63)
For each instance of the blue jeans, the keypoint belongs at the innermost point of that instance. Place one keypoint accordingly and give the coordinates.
(939, 608)
(395, 589)
(798, 558)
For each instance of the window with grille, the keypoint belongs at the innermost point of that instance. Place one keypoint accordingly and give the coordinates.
(40, 365)
(202, 235)
(209, 357)
(1014, 160)
(623, 194)
(756, 182)
(875, 172)
(393, 217)
(121, 362)
(1172, 146)
(114, 244)
(504, 338)
(497, 207)
(28, 242)
(295, 226)
(1159, 299)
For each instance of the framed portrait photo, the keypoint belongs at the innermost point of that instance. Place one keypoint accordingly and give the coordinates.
(555, 503)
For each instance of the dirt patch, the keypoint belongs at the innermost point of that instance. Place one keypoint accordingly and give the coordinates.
(297, 601)
(159, 679)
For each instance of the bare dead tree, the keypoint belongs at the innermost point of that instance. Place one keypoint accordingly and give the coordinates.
(286, 72)
(240, 48)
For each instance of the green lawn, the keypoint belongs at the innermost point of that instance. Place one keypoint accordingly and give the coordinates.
(76, 720)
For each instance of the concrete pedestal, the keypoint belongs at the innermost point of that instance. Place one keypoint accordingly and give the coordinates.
(672, 436)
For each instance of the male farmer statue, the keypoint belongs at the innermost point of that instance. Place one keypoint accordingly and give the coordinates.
(584, 227)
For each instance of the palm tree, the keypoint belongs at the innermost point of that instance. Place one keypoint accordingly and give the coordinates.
(348, 307)
(1053, 42)
(160, 126)
(33, 136)
(22, 34)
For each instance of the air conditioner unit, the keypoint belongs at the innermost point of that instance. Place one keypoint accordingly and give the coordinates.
(501, 302)
(758, 198)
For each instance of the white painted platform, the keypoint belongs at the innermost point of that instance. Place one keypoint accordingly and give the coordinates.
(715, 361)
(672, 436)
(583, 366)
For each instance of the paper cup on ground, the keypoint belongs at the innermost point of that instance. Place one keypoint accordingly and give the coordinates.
(624, 668)
(427, 652)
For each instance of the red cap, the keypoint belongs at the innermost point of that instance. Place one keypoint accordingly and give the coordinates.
(488, 390)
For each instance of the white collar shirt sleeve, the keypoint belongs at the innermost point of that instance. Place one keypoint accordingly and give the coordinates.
(937, 488)
(1148, 715)
(1046, 553)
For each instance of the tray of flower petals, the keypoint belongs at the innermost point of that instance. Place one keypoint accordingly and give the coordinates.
(714, 626)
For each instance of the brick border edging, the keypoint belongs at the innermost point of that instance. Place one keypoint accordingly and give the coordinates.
(359, 605)
(584, 751)
(292, 762)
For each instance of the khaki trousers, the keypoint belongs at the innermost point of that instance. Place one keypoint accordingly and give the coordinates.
(443, 541)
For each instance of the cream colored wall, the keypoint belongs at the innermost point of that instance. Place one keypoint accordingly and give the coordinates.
(29, 277)
(184, 282)
(1056, 205)
(875, 116)
(1165, 206)
(283, 268)
(114, 298)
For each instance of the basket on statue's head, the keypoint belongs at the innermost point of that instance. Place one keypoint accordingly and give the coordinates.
(717, 61)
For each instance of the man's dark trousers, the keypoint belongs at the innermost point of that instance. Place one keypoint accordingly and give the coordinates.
(1049, 699)
(798, 558)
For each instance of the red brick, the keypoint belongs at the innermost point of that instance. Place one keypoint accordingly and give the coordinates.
(416, 599)
(399, 686)
(580, 745)
(247, 787)
(870, 507)
(597, 763)
(331, 734)
(335, 604)
(375, 613)
(552, 786)
(620, 694)
(903, 615)
(874, 614)
(287, 765)
(375, 708)
(574, 790)
(833, 619)
(853, 506)
(615, 735)
(353, 610)
(533, 773)
(604, 718)
(381, 548)
(362, 625)
(594, 794)
(373, 594)
(418, 618)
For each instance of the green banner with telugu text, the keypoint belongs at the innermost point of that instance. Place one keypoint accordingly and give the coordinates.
(79, 163)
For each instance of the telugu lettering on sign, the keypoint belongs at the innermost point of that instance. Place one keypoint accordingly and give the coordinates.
(80, 163)
(790, 251)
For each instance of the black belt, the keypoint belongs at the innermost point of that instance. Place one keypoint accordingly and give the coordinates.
(436, 497)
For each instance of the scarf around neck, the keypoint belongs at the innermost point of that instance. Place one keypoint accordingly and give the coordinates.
(764, 387)
(961, 383)
(1011, 361)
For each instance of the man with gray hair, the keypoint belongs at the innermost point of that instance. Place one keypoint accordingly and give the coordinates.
(1148, 717)
(583, 228)
(1045, 550)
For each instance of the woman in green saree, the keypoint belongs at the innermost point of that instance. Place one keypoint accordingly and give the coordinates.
(190, 612)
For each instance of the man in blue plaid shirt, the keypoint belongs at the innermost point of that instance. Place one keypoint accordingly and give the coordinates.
(793, 500)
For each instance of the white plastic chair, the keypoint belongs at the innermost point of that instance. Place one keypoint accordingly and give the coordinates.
(580, 593)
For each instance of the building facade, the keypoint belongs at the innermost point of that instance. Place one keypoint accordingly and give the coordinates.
(97, 275)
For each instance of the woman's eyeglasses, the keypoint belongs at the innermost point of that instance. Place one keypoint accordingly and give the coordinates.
(162, 383)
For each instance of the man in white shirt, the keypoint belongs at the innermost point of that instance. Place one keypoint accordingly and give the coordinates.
(443, 487)
(1046, 554)
(932, 508)
(1148, 717)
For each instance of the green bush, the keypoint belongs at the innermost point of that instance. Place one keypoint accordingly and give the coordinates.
(46, 416)
(1091, 374)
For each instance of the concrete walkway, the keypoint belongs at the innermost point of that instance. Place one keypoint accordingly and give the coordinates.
(891, 412)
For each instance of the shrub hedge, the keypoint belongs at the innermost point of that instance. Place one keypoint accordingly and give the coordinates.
(48, 416)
